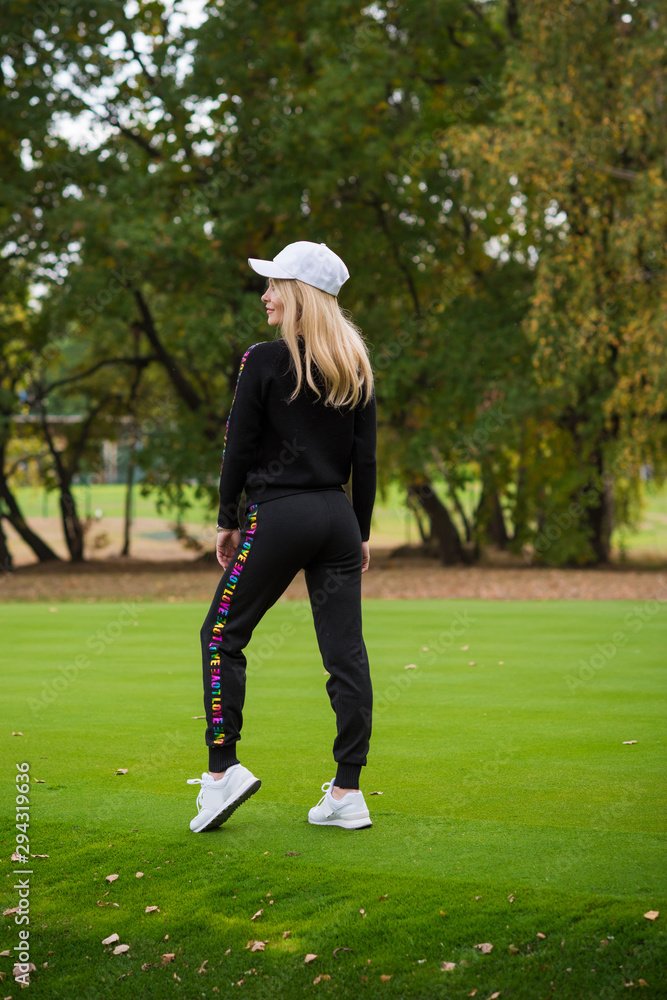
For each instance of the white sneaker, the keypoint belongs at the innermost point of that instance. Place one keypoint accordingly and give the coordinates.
(217, 800)
(350, 812)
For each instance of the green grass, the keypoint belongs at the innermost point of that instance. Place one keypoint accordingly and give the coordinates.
(498, 780)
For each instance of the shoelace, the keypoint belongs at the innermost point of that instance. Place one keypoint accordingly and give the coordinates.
(202, 782)
(325, 788)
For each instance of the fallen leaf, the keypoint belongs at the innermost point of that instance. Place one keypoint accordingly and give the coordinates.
(168, 957)
(410, 666)
(385, 979)
(286, 934)
(448, 966)
(120, 948)
(152, 909)
(228, 952)
(39, 855)
(198, 716)
(292, 854)
(241, 981)
(140, 875)
(494, 996)
(177, 977)
(477, 897)
(17, 734)
(485, 948)
(110, 878)
(318, 979)
(473, 993)
(309, 958)
(471, 663)
(380, 898)
(111, 939)
(424, 649)
(40, 781)
(255, 945)
(20, 970)
(335, 952)
(514, 950)
(15, 856)
(8, 913)
(541, 935)
(510, 898)
(258, 914)
(377, 793)
(652, 914)
(121, 770)
(627, 743)
(5, 954)
(642, 982)
(465, 647)
(362, 912)
(148, 965)
(202, 967)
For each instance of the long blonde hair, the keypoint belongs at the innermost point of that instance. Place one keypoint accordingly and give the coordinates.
(333, 345)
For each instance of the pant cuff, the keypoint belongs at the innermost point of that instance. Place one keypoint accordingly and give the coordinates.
(220, 758)
(347, 775)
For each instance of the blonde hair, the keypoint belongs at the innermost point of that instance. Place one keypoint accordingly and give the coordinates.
(333, 345)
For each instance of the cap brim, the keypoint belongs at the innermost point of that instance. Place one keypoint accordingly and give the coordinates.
(268, 268)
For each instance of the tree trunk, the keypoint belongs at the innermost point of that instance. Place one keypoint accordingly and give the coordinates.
(43, 551)
(129, 483)
(72, 526)
(490, 520)
(600, 520)
(443, 528)
(6, 562)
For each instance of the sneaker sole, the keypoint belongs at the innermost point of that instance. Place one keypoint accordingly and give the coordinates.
(346, 824)
(220, 817)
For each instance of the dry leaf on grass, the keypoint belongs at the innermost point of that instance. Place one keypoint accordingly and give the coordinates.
(256, 945)
(471, 663)
(514, 950)
(385, 979)
(9, 913)
(148, 965)
(541, 935)
(139, 875)
(39, 855)
(292, 854)
(111, 939)
(20, 970)
(318, 979)
(485, 948)
(642, 982)
(510, 898)
(336, 950)
(477, 897)
(228, 952)
(40, 781)
(448, 966)
(17, 734)
(376, 793)
(652, 914)
(362, 912)
(202, 967)
(121, 770)
(120, 948)
(15, 856)
(473, 993)
(380, 898)
(110, 878)
(465, 647)
(5, 954)
(256, 915)
(286, 934)
(410, 666)
(152, 909)
(198, 716)
(627, 743)
(494, 996)
(309, 958)
(168, 957)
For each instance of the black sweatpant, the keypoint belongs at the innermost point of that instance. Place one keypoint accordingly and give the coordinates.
(316, 531)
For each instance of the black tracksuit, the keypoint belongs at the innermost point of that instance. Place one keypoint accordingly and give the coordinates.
(292, 459)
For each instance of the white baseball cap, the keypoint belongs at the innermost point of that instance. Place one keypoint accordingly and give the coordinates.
(313, 263)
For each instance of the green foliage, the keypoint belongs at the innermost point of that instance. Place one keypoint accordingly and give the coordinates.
(499, 203)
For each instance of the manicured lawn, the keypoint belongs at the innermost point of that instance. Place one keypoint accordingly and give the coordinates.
(510, 806)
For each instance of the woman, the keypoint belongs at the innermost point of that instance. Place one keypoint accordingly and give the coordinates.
(302, 418)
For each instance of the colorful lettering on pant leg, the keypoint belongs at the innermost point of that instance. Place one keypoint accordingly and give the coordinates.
(220, 622)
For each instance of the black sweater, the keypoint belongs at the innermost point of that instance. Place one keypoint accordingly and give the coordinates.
(274, 448)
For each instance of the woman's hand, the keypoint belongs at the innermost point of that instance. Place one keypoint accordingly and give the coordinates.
(226, 545)
(365, 556)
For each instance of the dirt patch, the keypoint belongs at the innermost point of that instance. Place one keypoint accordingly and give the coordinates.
(389, 577)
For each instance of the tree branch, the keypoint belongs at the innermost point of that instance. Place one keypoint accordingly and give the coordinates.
(139, 362)
(185, 390)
